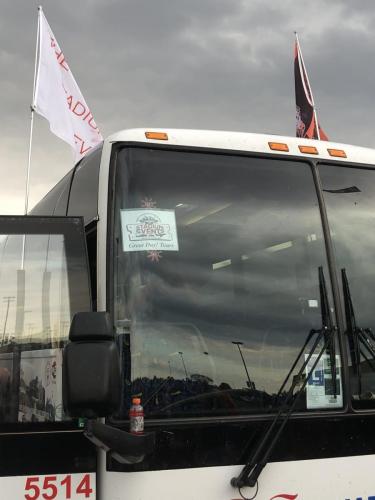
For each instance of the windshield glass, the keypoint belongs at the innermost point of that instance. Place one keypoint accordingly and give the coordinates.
(350, 199)
(216, 283)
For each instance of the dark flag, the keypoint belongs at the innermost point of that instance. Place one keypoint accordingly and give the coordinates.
(306, 121)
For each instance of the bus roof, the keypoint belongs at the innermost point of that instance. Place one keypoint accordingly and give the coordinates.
(239, 141)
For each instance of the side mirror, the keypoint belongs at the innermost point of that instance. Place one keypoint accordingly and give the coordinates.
(92, 387)
(91, 367)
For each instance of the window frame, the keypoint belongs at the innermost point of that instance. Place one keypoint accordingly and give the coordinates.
(72, 228)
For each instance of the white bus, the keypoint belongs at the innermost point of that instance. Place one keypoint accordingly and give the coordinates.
(228, 280)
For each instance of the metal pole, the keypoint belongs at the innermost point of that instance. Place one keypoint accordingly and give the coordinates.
(238, 344)
(183, 362)
(8, 299)
(32, 107)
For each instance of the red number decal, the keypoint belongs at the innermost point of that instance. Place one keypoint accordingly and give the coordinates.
(84, 486)
(68, 483)
(33, 487)
(49, 484)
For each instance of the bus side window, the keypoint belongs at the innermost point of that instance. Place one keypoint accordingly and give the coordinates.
(56, 201)
(83, 199)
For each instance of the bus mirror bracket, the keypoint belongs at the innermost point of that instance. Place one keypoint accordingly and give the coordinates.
(122, 446)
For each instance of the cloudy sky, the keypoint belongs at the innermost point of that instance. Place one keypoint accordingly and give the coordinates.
(215, 64)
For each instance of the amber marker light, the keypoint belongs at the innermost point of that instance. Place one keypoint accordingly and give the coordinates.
(340, 153)
(159, 136)
(309, 150)
(278, 146)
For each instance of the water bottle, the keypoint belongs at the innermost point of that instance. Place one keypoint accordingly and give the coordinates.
(136, 417)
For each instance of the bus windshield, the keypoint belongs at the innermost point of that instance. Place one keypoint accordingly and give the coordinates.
(215, 275)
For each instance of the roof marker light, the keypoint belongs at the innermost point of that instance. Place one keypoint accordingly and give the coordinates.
(278, 146)
(337, 152)
(310, 150)
(159, 136)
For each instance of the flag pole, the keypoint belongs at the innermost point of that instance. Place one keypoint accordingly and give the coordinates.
(308, 83)
(32, 108)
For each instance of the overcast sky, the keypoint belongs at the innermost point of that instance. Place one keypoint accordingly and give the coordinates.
(214, 64)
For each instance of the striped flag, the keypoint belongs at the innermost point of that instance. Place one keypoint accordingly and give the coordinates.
(307, 124)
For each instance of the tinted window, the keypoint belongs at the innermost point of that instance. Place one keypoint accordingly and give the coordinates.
(220, 301)
(83, 199)
(350, 198)
(56, 201)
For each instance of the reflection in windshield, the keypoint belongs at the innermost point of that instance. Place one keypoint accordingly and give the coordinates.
(350, 201)
(217, 320)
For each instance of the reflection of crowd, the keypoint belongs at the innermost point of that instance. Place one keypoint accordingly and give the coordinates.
(169, 395)
(33, 398)
(36, 393)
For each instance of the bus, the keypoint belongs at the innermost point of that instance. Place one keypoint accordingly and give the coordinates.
(228, 281)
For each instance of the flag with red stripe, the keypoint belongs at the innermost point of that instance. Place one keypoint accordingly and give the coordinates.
(307, 124)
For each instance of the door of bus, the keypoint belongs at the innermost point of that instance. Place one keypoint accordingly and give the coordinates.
(44, 281)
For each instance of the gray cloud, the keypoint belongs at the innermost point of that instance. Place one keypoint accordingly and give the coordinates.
(218, 64)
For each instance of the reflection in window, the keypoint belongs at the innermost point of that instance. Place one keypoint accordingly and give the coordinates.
(350, 199)
(216, 325)
(34, 322)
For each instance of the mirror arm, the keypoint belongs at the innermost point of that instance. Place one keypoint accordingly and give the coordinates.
(124, 447)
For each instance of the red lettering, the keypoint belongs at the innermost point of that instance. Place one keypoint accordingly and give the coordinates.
(63, 63)
(70, 101)
(84, 487)
(286, 497)
(61, 60)
(51, 487)
(79, 140)
(49, 484)
(92, 123)
(34, 487)
(67, 482)
(79, 112)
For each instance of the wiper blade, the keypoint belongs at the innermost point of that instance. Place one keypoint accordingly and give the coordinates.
(351, 329)
(253, 468)
(328, 324)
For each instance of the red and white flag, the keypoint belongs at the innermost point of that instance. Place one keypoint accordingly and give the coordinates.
(57, 96)
(307, 124)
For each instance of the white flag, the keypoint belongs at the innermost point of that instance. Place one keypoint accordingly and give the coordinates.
(57, 96)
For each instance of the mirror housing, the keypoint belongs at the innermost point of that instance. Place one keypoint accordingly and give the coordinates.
(91, 367)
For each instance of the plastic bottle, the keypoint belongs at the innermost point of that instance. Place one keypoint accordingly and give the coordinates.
(136, 417)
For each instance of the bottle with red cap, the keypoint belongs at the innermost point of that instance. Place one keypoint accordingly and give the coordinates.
(136, 417)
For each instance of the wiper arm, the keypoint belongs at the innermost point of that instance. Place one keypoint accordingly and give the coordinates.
(253, 468)
(327, 321)
(352, 329)
(361, 340)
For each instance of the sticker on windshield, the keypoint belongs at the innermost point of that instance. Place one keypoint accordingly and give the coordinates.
(320, 389)
(149, 229)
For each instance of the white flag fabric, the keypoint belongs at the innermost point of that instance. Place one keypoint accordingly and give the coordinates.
(57, 96)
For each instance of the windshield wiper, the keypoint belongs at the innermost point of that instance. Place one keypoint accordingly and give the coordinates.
(361, 340)
(327, 323)
(253, 468)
